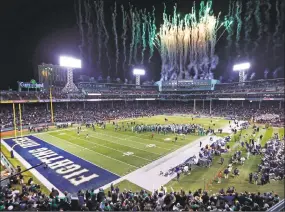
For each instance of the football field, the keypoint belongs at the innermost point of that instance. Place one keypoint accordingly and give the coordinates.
(80, 162)
(76, 162)
(122, 152)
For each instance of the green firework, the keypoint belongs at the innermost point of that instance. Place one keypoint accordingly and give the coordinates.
(152, 33)
(124, 36)
(133, 34)
(258, 24)
(248, 26)
(144, 24)
(239, 25)
(230, 21)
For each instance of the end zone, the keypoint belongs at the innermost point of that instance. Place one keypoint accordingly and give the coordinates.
(65, 171)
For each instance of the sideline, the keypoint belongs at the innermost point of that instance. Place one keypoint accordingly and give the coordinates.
(172, 159)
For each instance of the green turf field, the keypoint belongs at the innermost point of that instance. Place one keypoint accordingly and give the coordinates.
(123, 152)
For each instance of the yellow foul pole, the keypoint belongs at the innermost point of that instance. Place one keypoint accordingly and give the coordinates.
(51, 108)
(14, 118)
(20, 115)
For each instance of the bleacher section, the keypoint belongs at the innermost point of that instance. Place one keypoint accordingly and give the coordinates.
(181, 91)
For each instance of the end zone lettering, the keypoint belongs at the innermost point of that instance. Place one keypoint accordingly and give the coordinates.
(65, 170)
(25, 142)
(63, 166)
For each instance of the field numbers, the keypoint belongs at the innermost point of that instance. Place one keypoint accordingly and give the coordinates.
(128, 153)
(151, 145)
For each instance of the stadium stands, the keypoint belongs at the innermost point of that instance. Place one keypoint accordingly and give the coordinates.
(105, 102)
(30, 198)
(253, 89)
(38, 113)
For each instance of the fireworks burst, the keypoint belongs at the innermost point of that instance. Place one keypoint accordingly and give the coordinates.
(187, 44)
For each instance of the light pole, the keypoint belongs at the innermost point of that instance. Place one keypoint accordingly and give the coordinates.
(241, 68)
(138, 73)
(69, 63)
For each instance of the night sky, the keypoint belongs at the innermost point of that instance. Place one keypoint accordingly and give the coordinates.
(36, 31)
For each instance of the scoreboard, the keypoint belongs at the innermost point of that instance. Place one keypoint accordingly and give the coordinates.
(189, 85)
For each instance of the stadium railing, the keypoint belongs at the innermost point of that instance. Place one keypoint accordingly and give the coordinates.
(280, 206)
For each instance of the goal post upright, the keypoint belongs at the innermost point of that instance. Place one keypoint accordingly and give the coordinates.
(14, 120)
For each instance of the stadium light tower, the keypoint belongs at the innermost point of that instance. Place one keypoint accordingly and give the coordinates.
(69, 63)
(241, 68)
(138, 73)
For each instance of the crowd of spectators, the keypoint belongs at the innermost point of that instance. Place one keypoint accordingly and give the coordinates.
(37, 113)
(30, 198)
(273, 161)
(260, 112)
(132, 94)
(276, 85)
(253, 89)
(31, 95)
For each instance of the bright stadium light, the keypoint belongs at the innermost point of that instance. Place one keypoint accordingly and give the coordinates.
(69, 62)
(138, 71)
(241, 67)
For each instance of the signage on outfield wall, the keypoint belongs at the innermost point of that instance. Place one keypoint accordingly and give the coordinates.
(231, 99)
(93, 100)
(268, 98)
(6, 101)
(18, 101)
(33, 101)
(150, 99)
(31, 84)
(265, 99)
(253, 99)
(137, 99)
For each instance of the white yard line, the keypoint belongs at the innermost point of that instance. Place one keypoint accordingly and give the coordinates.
(121, 143)
(96, 144)
(130, 136)
(78, 156)
(90, 150)
(123, 135)
(133, 136)
(38, 175)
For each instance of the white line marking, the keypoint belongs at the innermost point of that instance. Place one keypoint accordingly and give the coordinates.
(120, 143)
(151, 140)
(92, 151)
(72, 145)
(96, 144)
(137, 141)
